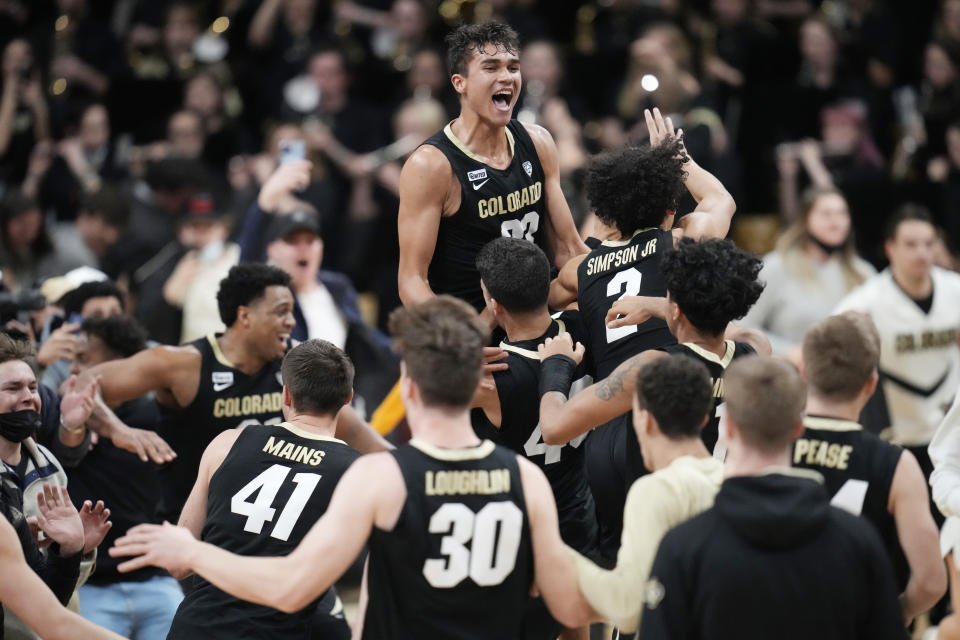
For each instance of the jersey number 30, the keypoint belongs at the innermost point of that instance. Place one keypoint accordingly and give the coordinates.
(495, 533)
(260, 510)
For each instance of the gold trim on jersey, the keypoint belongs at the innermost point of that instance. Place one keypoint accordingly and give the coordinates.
(448, 130)
(623, 243)
(830, 424)
(218, 353)
(303, 433)
(530, 353)
(806, 474)
(712, 357)
(482, 450)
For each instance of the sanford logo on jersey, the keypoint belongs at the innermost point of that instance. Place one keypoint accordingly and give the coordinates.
(222, 380)
(511, 202)
(479, 174)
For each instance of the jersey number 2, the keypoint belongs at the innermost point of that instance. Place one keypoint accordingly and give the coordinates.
(495, 532)
(523, 228)
(260, 511)
(627, 281)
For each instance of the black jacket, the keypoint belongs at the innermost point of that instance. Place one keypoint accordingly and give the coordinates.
(772, 558)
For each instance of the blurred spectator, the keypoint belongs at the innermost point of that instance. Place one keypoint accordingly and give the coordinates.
(205, 98)
(939, 96)
(427, 78)
(659, 74)
(131, 488)
(813, 267)
(195, 280)
(944, 174)
(24, 118)
(101, 219)
(28, 254)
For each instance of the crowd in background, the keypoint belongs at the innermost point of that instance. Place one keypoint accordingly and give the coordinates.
(135, 136)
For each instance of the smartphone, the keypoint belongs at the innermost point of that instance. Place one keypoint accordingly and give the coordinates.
(75, 318)
(292, 151)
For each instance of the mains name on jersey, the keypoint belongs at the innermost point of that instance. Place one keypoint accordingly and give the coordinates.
(293, 452)
(627, 255)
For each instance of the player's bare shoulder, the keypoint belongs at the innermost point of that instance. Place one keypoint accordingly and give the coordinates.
(543, 141)
(427, 179)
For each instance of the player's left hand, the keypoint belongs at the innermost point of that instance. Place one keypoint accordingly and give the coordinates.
(491, 360)
(96, 523)
(631, 310)
(562, 345)
(154, 545)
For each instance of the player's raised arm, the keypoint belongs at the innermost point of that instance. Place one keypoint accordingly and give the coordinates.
(554, 573)
(423, 189)
(562, 236)
(23, 592)
(562, 420)
(715, 205)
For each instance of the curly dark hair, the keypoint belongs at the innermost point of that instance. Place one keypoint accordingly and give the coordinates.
(72, 301)
(244, 284)
(120, 334)
(634, 187)
(516, 273)
(712, 281)
(678, 392)
(462, 42)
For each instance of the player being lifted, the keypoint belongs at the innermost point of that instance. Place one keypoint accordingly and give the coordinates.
(458, 528)
(260, 489)
(483, 176)
(698, 309)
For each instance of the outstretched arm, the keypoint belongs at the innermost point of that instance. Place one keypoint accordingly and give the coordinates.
(756, 339)
(22, 591)
(715, 205)
(562, 236)
(152, 369)
(423, 184)
(562, 420)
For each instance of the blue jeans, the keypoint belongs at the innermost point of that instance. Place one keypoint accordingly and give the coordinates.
(138, 610)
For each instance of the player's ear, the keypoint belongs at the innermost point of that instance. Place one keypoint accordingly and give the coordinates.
(459, 82)
(871, 385)
(287, 398)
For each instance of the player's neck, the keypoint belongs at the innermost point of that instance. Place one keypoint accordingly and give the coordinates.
(841, 410)
(444, 429)
(484, 139)
(743, 461)
(663, 455)
(10, 452)
(319, 425)
(525, 327)
(235, 350)
(916, 287)
(714, 344)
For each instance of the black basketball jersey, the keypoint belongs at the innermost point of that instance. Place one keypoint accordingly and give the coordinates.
(226, 398)
(858, 469)
(611, 271)
(459, 561)
(716, 366)
(518, 390)
(493, 202)
(274, 484)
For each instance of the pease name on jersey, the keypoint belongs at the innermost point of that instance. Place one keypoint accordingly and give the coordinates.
(821, 453)
(512, 202)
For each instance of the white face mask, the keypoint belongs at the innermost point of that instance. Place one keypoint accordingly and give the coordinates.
(211, 252)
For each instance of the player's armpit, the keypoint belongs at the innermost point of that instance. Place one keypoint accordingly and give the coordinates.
(554, 573)
(423, 188)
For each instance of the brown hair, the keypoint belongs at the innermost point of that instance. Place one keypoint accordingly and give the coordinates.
(441, 343)
(765, 398)
(319, 376)
(840, 354)
(794, 240)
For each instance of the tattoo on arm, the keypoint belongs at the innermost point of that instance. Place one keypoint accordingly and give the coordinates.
(615, 383)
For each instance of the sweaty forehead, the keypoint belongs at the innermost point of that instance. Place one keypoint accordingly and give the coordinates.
(276, 295)
(491, 50)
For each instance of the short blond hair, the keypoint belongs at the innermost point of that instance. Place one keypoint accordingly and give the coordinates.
(840, 355)
(765, 398)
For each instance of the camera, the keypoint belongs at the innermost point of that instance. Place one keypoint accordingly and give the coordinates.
(14, 306)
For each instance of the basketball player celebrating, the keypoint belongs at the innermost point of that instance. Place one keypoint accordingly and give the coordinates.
(515, 278)
(866, 475)
(698, 309)
(223, 381)
(451, 519)
(245, 472)
(483, 176)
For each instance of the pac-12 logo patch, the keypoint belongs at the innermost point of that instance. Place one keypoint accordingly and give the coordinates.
(528, 167)
(479, 174)
(222, 380)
